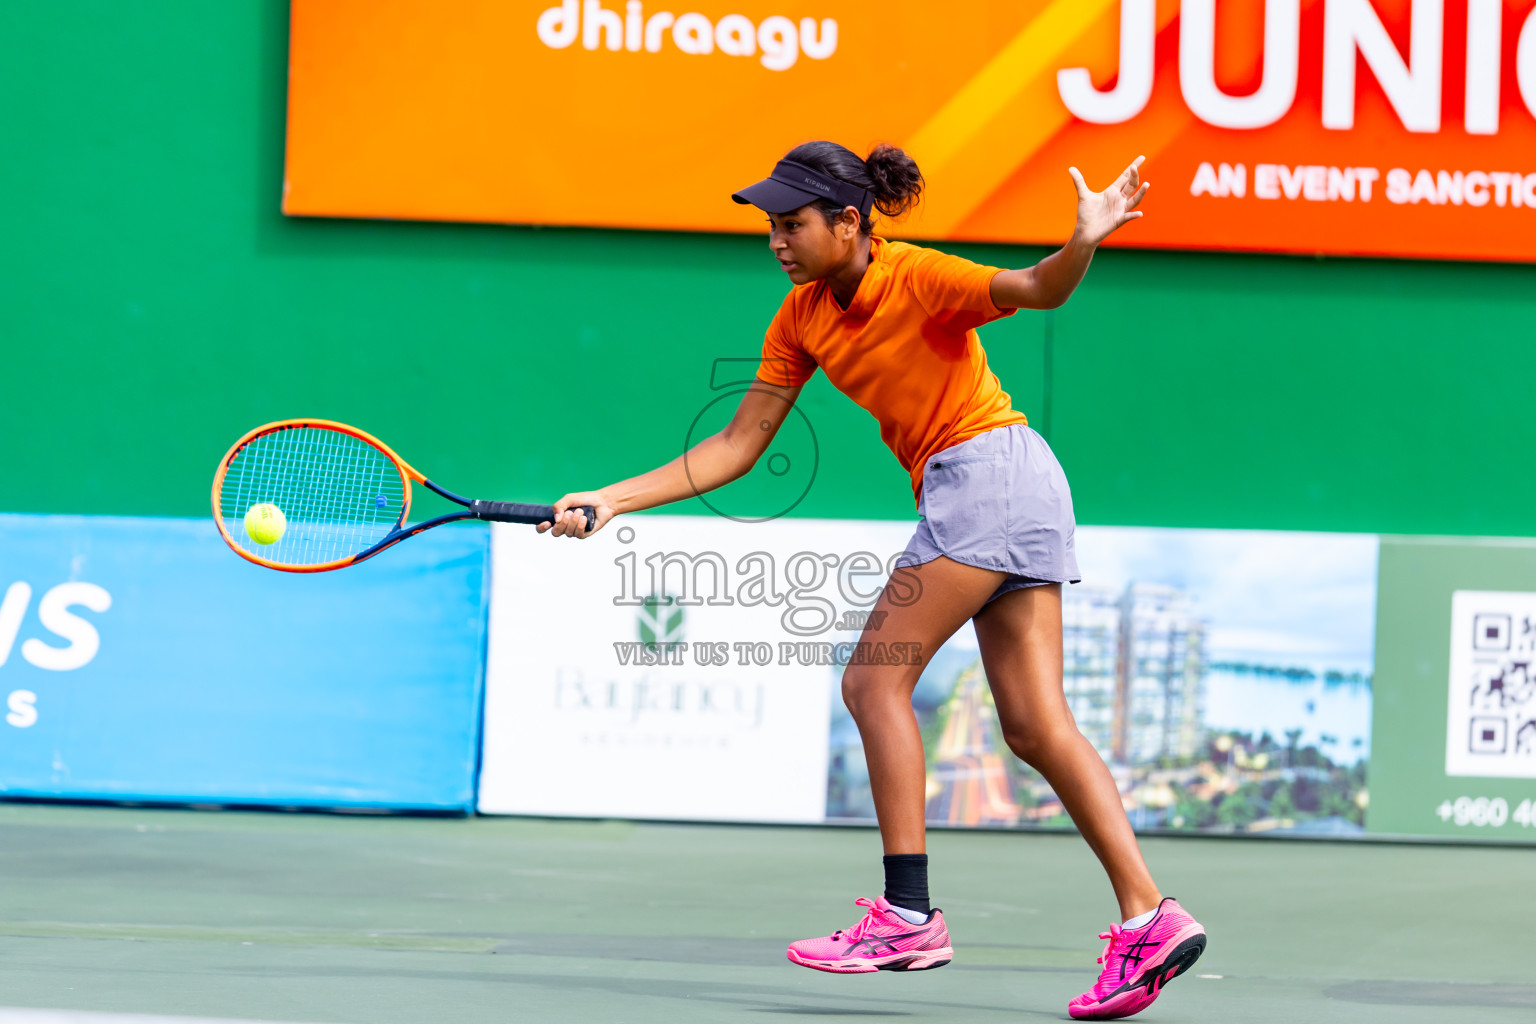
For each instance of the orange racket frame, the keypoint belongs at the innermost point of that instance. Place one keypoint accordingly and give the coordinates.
(490, 511)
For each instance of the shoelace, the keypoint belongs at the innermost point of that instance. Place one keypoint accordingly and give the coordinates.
(871, 917)
(1115, 935)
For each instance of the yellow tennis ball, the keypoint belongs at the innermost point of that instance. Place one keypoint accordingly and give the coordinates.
(265, 523)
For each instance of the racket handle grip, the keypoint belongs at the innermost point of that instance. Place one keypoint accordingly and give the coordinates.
(513, 512)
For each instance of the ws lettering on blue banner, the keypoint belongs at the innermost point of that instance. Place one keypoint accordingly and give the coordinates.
(141, 660)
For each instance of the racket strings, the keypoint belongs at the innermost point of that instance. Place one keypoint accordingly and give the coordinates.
(338, 494)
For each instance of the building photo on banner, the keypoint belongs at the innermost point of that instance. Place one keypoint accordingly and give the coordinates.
(1225, 676)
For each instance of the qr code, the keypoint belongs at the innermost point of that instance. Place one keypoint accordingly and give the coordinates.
(1491, 728)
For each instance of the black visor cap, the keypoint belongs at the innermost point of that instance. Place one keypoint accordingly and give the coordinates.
(793, 185)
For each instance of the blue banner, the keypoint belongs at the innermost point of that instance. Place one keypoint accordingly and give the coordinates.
(140, 659)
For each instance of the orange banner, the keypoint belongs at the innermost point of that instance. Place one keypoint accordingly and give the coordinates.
(1373, 127)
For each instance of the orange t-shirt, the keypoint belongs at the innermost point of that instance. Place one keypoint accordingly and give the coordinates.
(905, 349)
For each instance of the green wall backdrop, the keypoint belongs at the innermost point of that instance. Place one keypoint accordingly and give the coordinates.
(157, 304)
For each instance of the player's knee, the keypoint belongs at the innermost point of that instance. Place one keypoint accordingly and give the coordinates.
(855, 690)
(866, 686)
(1037, 742)
(1023, 743)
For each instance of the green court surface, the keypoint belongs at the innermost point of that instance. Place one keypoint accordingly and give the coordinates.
(359, 919)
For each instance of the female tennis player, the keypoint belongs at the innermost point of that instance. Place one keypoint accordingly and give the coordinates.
(893, 326)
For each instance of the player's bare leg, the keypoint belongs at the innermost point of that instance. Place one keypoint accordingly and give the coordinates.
(924, 607)
(1020, 636)
(921, 607)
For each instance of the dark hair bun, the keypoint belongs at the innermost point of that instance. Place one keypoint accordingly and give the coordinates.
(897, 183)
(889, 174)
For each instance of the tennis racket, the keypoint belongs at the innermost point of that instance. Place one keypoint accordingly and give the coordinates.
(312, 495)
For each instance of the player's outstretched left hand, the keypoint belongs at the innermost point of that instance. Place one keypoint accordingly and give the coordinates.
(1099, 214)
(571, 522)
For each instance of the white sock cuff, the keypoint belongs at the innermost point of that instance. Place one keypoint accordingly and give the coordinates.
(1140, 920)
(909, 916)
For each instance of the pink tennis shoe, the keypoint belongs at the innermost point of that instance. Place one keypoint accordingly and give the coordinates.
(882, 941)
(1139, 962)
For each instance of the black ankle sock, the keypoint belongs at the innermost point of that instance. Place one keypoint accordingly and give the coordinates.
(906, 881)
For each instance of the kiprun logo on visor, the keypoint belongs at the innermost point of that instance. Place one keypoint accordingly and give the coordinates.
(778, 41)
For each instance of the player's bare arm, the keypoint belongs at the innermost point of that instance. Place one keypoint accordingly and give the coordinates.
(1051, 282)
(713, 462)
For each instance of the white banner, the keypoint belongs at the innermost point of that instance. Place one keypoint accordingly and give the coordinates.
(710, 703)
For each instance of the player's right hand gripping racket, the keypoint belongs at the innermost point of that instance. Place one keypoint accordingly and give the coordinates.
(312, 495)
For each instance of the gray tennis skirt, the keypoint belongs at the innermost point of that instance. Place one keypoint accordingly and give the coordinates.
(998, 501)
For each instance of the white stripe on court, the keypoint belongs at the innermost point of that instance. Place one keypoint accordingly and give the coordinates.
(13, 1015)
